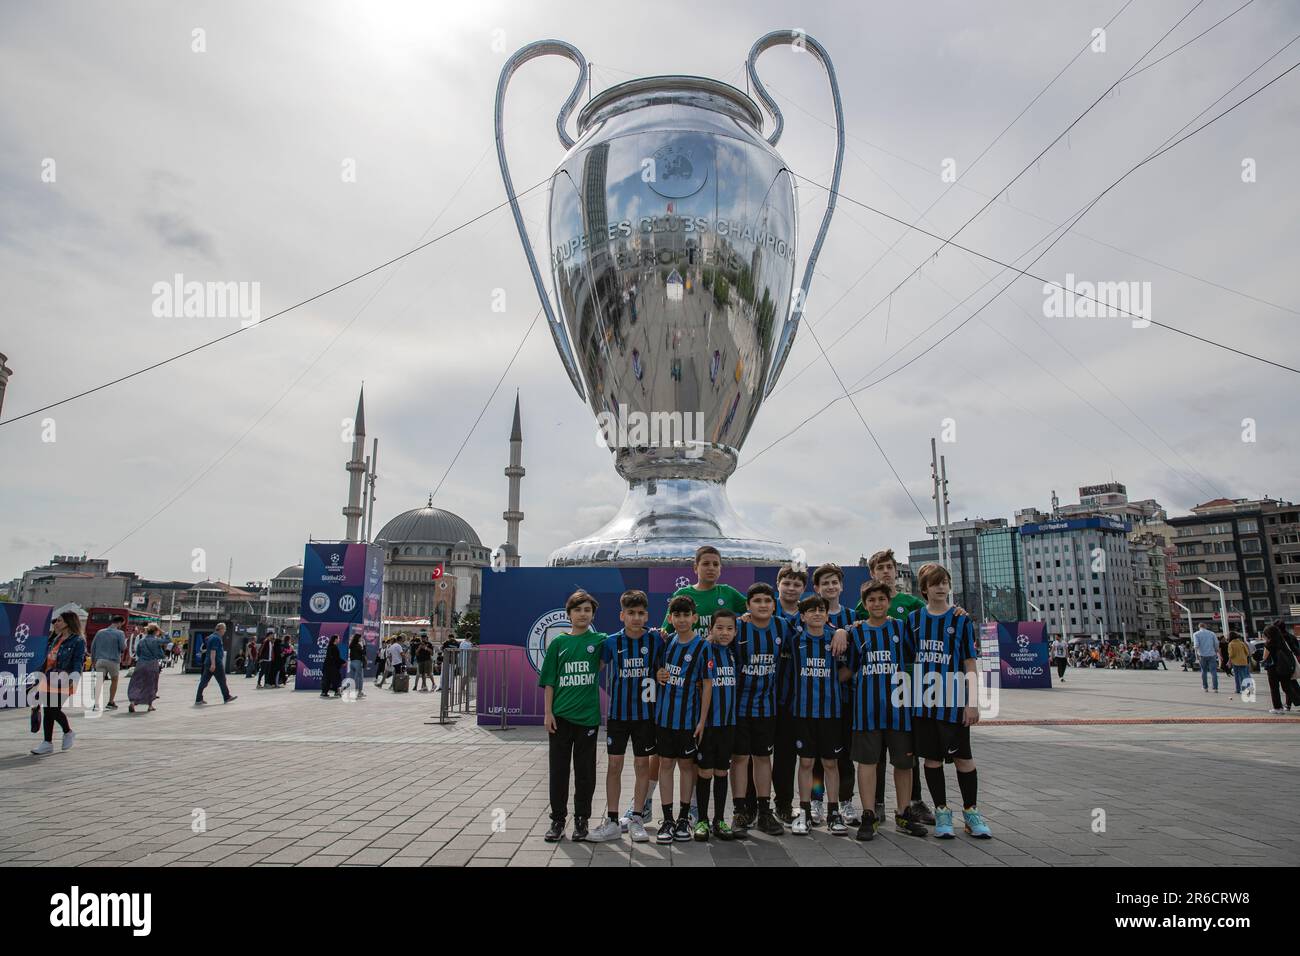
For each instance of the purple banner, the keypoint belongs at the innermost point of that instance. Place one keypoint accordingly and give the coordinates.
(24, 640)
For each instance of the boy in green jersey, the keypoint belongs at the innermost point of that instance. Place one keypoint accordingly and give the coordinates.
(706, 592)
(570, 673)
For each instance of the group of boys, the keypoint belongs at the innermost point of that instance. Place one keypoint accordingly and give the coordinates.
(732, 690)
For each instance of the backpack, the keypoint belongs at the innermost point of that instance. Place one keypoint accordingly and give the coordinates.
(1283, 659)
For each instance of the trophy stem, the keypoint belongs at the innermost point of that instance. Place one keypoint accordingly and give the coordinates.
(662, 521)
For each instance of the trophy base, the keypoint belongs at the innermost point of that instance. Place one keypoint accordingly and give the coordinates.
(662, 521)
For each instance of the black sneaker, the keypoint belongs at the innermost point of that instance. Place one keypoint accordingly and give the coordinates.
(769, 824)
(741, 821)
(785, 815)
(905, 824)
(110, 706)
(918, 812)
(579, 829)
(867, 828)
(665, 834)
(556, 833)
(683, 832)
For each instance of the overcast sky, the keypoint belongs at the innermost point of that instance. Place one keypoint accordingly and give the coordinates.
(225, 165)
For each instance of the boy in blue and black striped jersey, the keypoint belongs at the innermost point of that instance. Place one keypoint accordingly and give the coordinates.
(817, 710)
(760, 642)
(714, 756)
(828, 581)
(877, 662)
(628, 656)
(944, 698)
(790, 581)
(682, 703)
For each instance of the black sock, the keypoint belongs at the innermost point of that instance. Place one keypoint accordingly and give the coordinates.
(685, 811)
(702, 796)
(880, 781)
(613, 817)
(806, 807)
(970, 786)
(668, 813)
(938, 789)
(832, 809)
(719, 797)
(764, 804)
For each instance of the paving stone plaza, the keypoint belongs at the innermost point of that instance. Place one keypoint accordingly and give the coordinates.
(278, 778)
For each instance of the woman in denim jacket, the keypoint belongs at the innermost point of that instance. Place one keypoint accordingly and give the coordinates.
(59, 676)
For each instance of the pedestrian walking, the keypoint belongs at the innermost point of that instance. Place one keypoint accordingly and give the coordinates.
(106, 650)
(1239, 659)
(424, 665)
(287, 661)
(1280, 653)
(149, 654)
(1060, 657)
(252, 658)
(270, 661)
(357, 664)
(57, 681)
(214, 666)
(1207, 652)
(381, 662)
(332, 673)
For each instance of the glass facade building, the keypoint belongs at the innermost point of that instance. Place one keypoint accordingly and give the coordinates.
(1002, 575)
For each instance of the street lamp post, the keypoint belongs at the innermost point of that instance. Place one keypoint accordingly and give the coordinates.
(1188, 611)
(1223, 605)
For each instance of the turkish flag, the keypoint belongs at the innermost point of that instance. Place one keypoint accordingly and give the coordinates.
(437, 573)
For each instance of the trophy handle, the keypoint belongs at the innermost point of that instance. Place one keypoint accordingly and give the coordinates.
(522, 56)
(799, 40)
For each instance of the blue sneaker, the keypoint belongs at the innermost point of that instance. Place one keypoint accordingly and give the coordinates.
(943, 824)
(975, 824)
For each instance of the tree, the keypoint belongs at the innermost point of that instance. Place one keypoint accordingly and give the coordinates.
(467, 626)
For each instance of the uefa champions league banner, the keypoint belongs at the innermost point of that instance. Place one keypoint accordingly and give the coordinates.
(1022, 651)
(523, 609)
(342, 593)
(24, 639)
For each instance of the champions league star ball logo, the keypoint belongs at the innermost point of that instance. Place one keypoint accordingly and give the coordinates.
(334, 559)
(21, 633)
(322, 642)
(543, 631)
(319, 603)
(682, 581)
(1023, 641)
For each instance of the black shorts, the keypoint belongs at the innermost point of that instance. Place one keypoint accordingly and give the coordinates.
(755, 736)
(641, 732)
(940, 740)
(869, 747)
(716, 747)
(675, 744)
(819, 737)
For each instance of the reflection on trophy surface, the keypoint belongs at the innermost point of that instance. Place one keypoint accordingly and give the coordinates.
(672, 244)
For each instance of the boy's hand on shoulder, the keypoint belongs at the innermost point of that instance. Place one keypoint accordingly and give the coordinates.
(745, 617)
(958, 611)
(840, 642)
(661, 675)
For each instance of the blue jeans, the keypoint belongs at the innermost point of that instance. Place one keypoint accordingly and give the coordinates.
(356, 671)
(1209, 668)
(1240, 674)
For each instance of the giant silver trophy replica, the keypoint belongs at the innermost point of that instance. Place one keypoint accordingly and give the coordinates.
(672, 232)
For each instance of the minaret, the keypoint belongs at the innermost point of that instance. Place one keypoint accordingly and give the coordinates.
(357, 471)
(5, 372)
(514, 471)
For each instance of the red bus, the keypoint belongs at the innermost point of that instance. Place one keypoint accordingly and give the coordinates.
(136, 621)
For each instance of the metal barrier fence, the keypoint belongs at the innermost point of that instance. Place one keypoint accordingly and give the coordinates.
(488, 682)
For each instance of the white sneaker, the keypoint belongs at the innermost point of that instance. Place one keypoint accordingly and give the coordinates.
(800, 825)
(636, 830)
(1273, 710)
(69, 739)
(818, 812)
(626, 819)
(609, 830)
(850, 812)
(43, 748)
